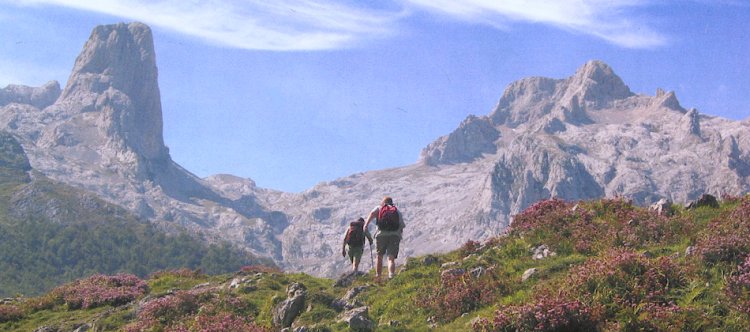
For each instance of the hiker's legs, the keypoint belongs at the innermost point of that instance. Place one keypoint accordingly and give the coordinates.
(355, 264)
(391, 266)
(393, 247)
(387, 245)
(380, 246)
(355, 254)
(379, 265)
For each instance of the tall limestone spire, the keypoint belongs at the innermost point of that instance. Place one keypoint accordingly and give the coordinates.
(116, 74)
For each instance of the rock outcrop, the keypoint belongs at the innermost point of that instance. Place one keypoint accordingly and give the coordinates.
(286, 311)
(474, 137)
(40, 97)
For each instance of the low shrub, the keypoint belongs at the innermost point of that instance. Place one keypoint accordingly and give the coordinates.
(225, 322)
(544, 314)
(457, 294)
(9, 313)
(470, 247)
(195, 310)
(726, 239)
(738, 288)
(667, 317)
(99, 290)
(623, 279)
(551, 214)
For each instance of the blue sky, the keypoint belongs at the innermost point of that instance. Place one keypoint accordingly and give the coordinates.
(291, 93)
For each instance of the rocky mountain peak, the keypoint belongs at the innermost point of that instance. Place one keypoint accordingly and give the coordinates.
(115, 56)
(594, 86)
(116, 74)
(474, 137)
(596, 82)
(39, 97)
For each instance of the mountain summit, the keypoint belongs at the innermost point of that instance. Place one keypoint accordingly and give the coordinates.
(116, 75)
(582, 137)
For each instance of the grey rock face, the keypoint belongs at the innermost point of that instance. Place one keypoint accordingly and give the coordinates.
(116, 75)
(473, 137)
(40, 97)
(594, 86)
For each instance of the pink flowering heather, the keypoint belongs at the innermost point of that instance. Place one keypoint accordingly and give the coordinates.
(168, 309)
(470, 247)
(99, 290)
(738, 288)
(555, 223)
(225, 322)
(195, 310)
(625, 278)
(727, 238)
(668, 317)
(545, 314)
(552, 214)
(9, 313)
(458, 294)
(611, 208)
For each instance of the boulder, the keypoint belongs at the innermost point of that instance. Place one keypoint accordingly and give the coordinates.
(348, 302)
(542, 252)
(84, 328)
(429, 260)
(704, 200)
(448, 265)
(528, 273)
(663, 207)
(46, 329)
(453, 272)
(346, 279)
(477, 271)
(286, 311)
(357, 319)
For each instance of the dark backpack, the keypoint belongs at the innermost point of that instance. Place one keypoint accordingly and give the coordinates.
(388, 219)
(356, 234)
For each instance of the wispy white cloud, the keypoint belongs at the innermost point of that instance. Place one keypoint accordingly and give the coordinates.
(605, 19)
(251, 24)
(330, 24)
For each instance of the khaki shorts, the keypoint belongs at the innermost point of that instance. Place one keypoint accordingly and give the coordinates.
(355, 253)
(387, 245)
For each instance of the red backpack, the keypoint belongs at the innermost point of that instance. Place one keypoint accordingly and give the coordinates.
(356, 234)
(388, 219)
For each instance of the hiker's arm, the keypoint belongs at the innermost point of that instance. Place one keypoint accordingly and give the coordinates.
(343, 244)
(370, 218)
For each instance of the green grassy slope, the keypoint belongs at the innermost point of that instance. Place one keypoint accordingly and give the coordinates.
(615, 267)
(51, 233)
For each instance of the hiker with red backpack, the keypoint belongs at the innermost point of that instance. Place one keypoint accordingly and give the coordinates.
(355, 239)
(390, 227)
